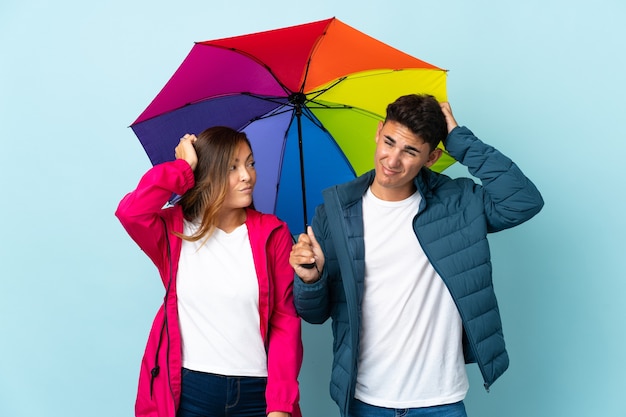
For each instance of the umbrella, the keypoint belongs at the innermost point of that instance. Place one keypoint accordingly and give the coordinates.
(309, 98)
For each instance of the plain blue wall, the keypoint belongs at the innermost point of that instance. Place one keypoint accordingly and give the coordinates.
(541, 80)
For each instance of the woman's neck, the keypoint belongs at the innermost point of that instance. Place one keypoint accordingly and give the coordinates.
(231, 219)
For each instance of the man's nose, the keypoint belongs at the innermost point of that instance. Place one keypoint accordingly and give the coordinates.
(393, 157)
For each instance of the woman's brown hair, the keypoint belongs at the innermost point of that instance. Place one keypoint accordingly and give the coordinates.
(215, 148)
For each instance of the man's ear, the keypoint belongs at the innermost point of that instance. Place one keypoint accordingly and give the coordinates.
(433, 157)
(380, 127)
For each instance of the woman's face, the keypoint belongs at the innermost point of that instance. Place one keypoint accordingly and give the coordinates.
(241, 178)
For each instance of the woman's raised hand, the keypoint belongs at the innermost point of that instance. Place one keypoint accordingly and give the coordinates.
(185, 150)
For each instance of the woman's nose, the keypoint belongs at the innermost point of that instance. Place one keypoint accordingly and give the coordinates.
(244, 175)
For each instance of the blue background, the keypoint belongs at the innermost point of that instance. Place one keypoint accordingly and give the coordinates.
(541, 80)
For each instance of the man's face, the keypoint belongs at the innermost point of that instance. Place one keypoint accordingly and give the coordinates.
(400, 154)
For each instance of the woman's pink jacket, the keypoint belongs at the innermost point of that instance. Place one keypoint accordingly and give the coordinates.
(150, 225)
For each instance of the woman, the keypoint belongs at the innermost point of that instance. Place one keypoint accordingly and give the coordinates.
(227, 336)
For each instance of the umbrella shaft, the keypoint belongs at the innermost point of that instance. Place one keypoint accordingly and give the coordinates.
(299, 122)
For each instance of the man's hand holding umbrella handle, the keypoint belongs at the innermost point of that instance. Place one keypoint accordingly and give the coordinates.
(185, 150)
(306, 251)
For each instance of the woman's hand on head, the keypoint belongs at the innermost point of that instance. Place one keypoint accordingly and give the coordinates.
(185, 150)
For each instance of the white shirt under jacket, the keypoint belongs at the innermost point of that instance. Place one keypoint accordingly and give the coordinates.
(218, 305)
(411, 351)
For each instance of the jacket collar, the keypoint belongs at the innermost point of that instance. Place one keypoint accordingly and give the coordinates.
(352, 191)
(257, 219)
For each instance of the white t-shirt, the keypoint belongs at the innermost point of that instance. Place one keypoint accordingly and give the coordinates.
(218, 305)
(411, 351)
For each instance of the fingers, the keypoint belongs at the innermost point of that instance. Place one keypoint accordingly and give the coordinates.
(190, 137)
(302, 253)
(185, 150)
(311, 236)
(447, 112)
(184, 143)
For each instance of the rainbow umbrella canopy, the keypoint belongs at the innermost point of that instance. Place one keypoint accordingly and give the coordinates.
(309, 98)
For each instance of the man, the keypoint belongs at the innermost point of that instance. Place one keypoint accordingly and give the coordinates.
(402, 265)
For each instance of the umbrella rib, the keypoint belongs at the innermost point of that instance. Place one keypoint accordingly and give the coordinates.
(273, 113)
(271, 99)
(318, 93)
(346, 107)
(310, 58)
(283, 108)
(313, 119)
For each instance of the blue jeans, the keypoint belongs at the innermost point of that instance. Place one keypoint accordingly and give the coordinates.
(210, 395)
(361, 409)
